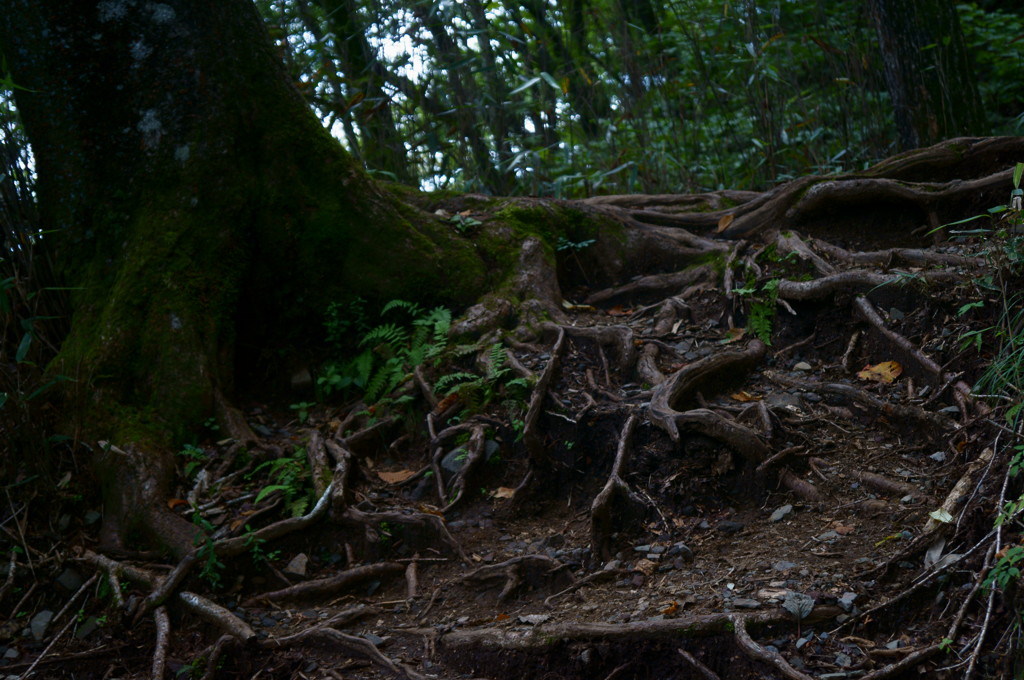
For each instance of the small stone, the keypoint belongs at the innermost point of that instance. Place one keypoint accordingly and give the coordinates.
(746, 603)
(896, 314)
(682, 551)
(827, 537)
(802, 366)
(843, 660)
(612, 564)
(801, 642)
(268, 621)
(88, 627)
(907, 500)
(39, 623)
(783, 566)
(950, 410)
(729, 527)
(642, 548)
(297, 566)
(374, 640)
(780, 513)
(895, 644)
(91, 517)
(534, 619)
(938, 456)
(11, 653)
(70, 580)
(812, 397)
(657, 549)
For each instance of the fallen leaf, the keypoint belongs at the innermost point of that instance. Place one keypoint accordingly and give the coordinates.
(503, 492)
(844, 529)
(395, 477)
(645, 567)
(724, 222)
(501, 617)
(941, 515)
(176, 502)
(884, 372)
(445, 403)
(732, 335)
(744, 397)
(671, 609)
(619, 310)
(579, 308)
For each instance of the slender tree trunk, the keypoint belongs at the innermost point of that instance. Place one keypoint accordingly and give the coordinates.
(927, 71)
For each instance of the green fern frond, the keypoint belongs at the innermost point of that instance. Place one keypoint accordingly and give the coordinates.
(389, 334)
(447, 384)
(411, 308)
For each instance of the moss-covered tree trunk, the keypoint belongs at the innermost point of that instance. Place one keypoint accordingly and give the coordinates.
(198, 204)
(197, 208)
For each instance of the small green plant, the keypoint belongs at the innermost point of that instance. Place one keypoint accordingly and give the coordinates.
(256, 550)
(391, 352)
(565, 244)
(302, 410)
(210, 565)
(288, 475)
(463, 222)
(194, 458)
(477, 391)
(761, 315)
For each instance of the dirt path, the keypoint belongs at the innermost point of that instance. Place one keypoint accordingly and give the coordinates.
(724, 474)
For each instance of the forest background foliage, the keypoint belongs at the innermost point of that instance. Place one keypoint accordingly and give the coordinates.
(575, 98)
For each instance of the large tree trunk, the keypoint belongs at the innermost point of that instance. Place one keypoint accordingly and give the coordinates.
(199, 205)
(927, 70)
(202, 216)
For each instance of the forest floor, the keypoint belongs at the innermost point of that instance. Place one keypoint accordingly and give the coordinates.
(823, 508)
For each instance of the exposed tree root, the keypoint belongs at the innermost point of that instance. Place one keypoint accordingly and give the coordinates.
(535, 571)
(616, 503)
(328, 587)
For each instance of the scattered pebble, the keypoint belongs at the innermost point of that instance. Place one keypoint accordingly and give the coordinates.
(70, 580)
(297, 566)
(802, 366)
(746, 603)
(39, 623)
(780, 513)
(534, 619)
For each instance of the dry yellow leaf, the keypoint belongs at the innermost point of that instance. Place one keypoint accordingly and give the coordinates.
(394, 477)
(884, 372)
(503, 492)
(724, 222)
(745, 396)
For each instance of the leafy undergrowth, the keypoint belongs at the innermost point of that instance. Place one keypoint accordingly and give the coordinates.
(839, 547)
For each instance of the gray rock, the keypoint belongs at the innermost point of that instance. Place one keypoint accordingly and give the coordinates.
(12, 653)
(88, 627)
(746, 603)
(843, 660)
(375, 640)
(39, 623)
(682, 551)
(729, 527)
(297, 566)
(534, 619)
(801, 366)
(780, 513)
(938, 456)
(70, 580)
(91, 517)
(783, 566)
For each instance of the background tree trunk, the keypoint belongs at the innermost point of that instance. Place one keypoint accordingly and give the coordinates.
(927, 71)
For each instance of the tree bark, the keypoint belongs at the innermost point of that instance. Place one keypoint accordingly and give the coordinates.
(197, 206)
(927, 71)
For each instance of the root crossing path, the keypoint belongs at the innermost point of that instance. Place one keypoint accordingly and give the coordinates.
(768, 463)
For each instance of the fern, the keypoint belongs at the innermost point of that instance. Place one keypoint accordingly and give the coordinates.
(387, 334)
(453, 381)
